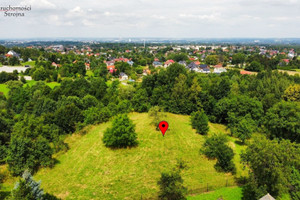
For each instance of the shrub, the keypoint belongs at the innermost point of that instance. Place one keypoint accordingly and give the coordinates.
(121, 134)
(216, 147)
(200, 122)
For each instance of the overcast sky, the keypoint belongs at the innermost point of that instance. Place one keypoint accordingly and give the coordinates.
(153, 18)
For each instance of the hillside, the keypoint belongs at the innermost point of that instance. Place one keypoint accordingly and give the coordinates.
(89, 170)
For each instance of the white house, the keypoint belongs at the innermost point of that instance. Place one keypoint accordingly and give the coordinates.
(123, 76)
(219, 70)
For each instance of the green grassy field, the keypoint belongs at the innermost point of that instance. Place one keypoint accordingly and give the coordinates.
(89, 73)
(31, 63)
(33, 82)
(233, 193)
(89, 170)
(4, 89)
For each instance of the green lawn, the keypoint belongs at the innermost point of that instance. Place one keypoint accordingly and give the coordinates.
(31, 63)
(89, 170)
(89, 73)
(4, 89)
(33, 82)
(234, 193)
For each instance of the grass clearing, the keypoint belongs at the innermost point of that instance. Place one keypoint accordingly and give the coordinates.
(31, 63)
(4, 89)
(89, 170)
(89, 73)
(33, 82)
(233, 193)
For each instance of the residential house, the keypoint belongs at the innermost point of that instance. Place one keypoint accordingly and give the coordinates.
(267, 197)
(12, 53)
(111, 69)
(146, 72)
(87, 66)
(245, 72)
(193, 66)
(182, 63)
(284, 62)
(110, 63)
(203, 66)
(157, 64)
(168, 63)
(219, 70)
(123, 76)
(130, 62)
(54, 64)
(205, 70)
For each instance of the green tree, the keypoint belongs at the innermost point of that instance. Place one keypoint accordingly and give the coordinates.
(200, 122)
(211, 60)
(171, 186)
(238, 58)
(40, 74)
(282, 121)
(292, 93)
(216, 147)
(157, 115)
(255, 67)
(244, 128)
(122, 133)
(28, 189)
(14, 61)
(295, 184)
(20, 155)
(67, 116)
(271, 163)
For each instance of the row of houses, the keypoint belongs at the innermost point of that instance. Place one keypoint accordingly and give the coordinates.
(193, 66)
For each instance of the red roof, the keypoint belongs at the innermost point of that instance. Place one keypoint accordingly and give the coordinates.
(286, 60)
(245, 72)
(169, 62)
(218, 66)
(197, 62)
(110, 67)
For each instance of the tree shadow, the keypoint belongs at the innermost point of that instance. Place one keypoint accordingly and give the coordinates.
(239, 143)
(4, 194)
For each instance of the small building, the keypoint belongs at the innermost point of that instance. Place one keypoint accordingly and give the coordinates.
(157, 64)
(245, 72)
(111, 69)
(205, 70)
(12, 53)
(192, 66)
(87, 66)
(168, 63)
(219, 70)
(110, 63)
(130, 62)
(146, 72)
(123, 76)
(182, 63)
(267, 197)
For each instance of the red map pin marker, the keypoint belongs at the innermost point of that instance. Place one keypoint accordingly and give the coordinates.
(163, 126)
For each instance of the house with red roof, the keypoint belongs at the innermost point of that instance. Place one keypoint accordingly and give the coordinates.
(245, 72)
(111, 69)
(168, 63)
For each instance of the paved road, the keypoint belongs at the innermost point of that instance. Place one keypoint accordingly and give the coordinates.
(11, 69)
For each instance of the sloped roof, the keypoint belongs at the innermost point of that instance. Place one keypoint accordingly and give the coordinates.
(267, 197)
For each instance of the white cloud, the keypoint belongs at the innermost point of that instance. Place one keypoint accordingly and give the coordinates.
(155, 18)
(39, 4)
